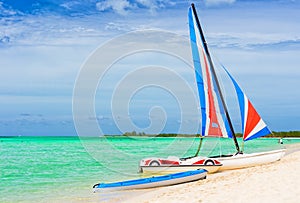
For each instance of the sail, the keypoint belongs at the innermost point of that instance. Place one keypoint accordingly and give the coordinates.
(252, 124)
(214, 122)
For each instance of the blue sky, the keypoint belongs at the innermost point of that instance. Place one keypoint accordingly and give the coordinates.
(44, 43)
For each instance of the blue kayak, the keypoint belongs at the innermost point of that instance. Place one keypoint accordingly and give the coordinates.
(152, 182)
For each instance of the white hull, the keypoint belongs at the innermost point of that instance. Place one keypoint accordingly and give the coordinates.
(180, 168)
(174, 164)
(248, 160)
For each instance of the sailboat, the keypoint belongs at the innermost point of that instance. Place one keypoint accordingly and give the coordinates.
(216, 121)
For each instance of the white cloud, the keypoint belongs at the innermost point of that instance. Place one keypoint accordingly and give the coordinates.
(122, 7)
(4, 39)
(217, 2)
(70, 4)
(49, 30)
(153, 5)
(115, 26)
(119, 6)
(5, 11)
(250, 40)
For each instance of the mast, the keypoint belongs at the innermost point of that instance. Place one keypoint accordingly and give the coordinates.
(216, 79)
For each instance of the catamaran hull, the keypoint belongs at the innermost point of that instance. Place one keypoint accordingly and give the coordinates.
(248, 160)
(175, 169)
(158, 181)
(174, 164)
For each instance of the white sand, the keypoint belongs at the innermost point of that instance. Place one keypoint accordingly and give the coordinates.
(276, 182)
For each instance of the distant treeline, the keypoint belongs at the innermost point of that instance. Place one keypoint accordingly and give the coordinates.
(274, 134)
(285, 134)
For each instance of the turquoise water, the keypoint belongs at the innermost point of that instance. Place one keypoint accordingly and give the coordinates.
(65, 168)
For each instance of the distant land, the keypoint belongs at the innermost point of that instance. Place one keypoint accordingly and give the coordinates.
(274, 134)
(281, 134)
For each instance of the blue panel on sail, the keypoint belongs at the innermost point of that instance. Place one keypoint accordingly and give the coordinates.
(241, 97)
(198, 72)
(262, 132)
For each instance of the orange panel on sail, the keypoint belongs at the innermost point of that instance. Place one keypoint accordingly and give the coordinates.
(252, 119)
(214, 126)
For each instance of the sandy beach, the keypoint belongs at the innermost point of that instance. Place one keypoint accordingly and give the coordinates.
(276, 182)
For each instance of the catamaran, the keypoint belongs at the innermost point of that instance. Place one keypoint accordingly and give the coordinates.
(216, 121)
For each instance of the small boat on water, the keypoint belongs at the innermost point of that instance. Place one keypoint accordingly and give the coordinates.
(152, 182)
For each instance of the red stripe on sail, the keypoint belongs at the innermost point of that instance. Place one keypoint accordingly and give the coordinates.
(252, 119)
(214, 127)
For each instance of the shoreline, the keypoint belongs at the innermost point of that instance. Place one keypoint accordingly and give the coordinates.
(275, 182)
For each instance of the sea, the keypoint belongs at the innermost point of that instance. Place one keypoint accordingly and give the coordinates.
(64, 169)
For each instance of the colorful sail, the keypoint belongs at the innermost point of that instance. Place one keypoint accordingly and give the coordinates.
(252, 124)
(214, 122)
